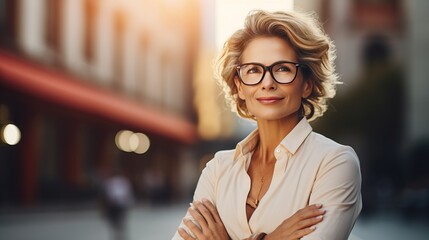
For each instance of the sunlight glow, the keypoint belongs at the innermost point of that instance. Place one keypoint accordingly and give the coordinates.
(230, 14)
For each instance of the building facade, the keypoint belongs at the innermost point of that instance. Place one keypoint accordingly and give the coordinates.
(76, 73)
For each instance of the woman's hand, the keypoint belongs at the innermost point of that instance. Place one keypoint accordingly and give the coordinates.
(208, 218)
(298, 225)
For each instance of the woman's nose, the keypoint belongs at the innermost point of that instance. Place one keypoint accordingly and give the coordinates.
(268, 82)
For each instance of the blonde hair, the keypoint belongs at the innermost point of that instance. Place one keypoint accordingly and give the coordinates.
(314, 50)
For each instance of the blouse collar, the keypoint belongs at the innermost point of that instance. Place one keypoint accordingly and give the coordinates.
(290, 142)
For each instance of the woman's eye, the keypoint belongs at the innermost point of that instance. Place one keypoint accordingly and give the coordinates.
(253, 70)
(283, 69)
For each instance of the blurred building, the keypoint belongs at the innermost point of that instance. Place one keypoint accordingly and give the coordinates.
(393, 27)
(380, 109)
(74, 74)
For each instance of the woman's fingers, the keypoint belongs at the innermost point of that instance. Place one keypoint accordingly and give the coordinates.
(204, 211)
(212, 209)
(300, 224)
(309, 212)
(198, 232)
(212, 227)
(198, 217)
(184, 234)
(302, 232)
(308, 222)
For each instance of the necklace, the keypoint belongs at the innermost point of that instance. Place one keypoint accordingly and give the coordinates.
(254, 203)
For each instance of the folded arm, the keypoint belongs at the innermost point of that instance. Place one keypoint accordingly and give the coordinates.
(338, 188)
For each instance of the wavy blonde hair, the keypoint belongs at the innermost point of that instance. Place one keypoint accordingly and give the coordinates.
(314, 49)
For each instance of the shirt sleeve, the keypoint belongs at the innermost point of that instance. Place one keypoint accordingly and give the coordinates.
(205, 189)
(338, 188)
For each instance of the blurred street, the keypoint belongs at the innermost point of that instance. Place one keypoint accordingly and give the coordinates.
(160, 224)
(91, 90)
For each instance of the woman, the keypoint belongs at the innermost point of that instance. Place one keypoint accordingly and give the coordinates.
(283, 181)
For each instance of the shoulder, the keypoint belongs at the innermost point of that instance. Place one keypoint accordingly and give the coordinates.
(222, 159)
(332, 150)
(335, 157)
(225, 154)
(328, 146)
(219, 165)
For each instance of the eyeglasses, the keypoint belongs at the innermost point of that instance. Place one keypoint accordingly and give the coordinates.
(283, 72)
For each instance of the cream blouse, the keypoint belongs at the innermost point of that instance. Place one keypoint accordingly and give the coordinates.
(310, 169)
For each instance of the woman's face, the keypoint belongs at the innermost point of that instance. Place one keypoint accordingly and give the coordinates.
(270, 100)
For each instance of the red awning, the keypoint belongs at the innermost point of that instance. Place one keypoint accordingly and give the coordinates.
(59, 88)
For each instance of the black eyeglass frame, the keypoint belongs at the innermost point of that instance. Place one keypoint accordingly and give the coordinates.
(267, 68)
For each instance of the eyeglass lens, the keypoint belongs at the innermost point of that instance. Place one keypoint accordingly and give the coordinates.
(253, 73)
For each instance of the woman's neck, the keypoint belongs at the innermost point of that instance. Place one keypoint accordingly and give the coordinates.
(271, 133)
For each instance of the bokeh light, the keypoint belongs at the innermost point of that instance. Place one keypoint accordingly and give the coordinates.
(144, 143)
(122, 140)
(129, 141)
(10, 134)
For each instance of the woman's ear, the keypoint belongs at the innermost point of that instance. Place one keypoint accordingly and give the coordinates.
(239, 88)
(308, 88)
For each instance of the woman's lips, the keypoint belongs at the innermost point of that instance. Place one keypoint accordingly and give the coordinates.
(267, 100)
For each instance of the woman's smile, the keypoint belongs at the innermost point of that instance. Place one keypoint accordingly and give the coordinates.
(269, 100)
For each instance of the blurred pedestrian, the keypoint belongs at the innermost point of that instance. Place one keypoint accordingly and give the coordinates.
(117, 198)
(283, 181)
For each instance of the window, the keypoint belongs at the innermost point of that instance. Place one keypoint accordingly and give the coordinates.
(53, 24)
(119, 24)
(90, 14)
(8, 22)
